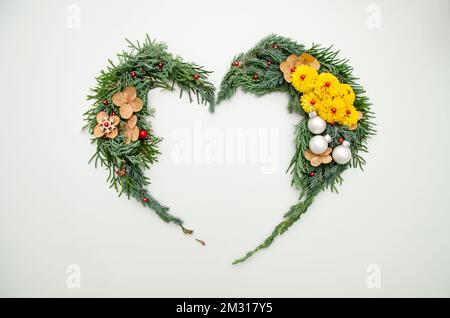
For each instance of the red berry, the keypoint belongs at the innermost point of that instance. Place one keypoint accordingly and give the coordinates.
(255, 77)
(269, 63)
(348, 111)
(312, 102)
(113, 114)
(236, 63)
(302, 77)
(196, 76)
(341, 140)
(293, 69)
(333, 110)
(327, 84)
(105, 102)
(145, 199)
(161, 65)
(106, 124)
(275, 46)
(133, 74)
(143, 134)
(312, 174)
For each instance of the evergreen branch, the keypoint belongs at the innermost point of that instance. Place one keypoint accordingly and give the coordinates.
(292, 216)
(257, 71)
(153, 67)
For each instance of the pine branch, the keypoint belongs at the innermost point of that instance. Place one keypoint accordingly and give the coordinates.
(263, 60)
(154, 68)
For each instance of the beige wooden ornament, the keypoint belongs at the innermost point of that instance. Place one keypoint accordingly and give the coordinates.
(293, 61)
(317, 160)
(308, 59)
(106, 125)
(130, 130)
(128, 102)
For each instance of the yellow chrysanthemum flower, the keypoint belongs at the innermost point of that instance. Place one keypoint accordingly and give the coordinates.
(326, 85)
(304, 78)
(332, 110)
(309, 102)
(350, 116)
(347, 94)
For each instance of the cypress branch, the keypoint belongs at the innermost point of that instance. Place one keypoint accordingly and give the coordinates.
(155, 68)
(276, 49)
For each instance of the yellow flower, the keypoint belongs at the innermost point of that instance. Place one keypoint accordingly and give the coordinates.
(347, 94)
(326, 85)
(309, 102)
(304, 78)
(350, 116)
(332, 110)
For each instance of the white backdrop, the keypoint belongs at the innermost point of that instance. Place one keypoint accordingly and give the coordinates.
(385, 234)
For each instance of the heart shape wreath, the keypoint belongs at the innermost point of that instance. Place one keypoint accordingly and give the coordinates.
(126, 145)
(319, 85)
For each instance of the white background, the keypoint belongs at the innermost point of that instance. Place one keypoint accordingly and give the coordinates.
(57, 210)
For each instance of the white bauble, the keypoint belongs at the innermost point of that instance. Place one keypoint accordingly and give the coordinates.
(318, 144)
(342, 154)
(316, 124)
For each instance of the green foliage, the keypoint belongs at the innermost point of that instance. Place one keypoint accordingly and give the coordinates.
(264, 60)
(155, 68)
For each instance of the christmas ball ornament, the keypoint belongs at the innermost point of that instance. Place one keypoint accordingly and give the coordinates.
(143, 134)
(316, 124)
(342, 154)
(318, 144)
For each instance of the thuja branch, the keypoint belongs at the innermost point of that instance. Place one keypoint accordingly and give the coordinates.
(126, 144)
(258, 71)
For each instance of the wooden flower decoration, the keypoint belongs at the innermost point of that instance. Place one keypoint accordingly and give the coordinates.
(130, 130)
(308, 59)
(293, 61)
(128, 102)
(106, 125)
(360, 116)
(317, 160)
